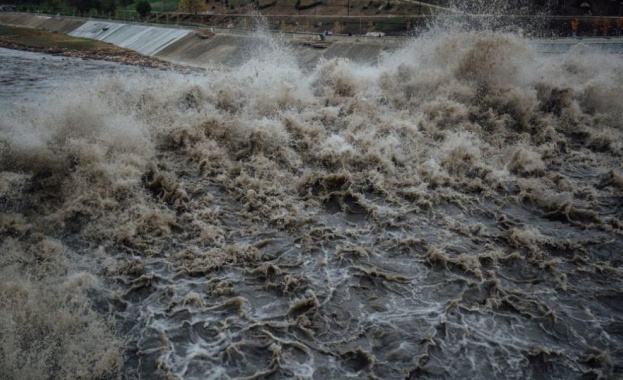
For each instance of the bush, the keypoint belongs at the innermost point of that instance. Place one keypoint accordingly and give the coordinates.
(302, 7)
(143, 8)
(268, 5)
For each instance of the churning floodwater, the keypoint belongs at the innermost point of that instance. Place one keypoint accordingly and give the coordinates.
(27, 78)
(454, 211)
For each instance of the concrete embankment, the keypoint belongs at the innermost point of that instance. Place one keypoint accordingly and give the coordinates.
(229, 49)
(187, 47)
(147, 40)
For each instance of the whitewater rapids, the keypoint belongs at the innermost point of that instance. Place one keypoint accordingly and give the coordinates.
(454, 211)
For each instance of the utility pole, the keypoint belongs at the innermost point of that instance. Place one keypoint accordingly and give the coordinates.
(348, 9)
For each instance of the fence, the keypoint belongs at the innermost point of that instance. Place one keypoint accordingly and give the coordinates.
(326, 18)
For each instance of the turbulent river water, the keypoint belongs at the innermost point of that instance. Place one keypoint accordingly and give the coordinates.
(454, 211)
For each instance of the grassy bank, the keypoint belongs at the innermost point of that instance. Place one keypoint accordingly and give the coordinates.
(61, 44)
(37, 39)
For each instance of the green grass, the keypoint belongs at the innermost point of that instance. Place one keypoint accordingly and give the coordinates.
(42, 39)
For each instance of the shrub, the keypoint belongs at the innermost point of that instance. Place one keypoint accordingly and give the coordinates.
(302, 7)
(143, 8)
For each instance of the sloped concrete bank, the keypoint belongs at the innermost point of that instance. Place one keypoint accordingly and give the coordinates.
(186, 47)
(147, 40)
(229, 49)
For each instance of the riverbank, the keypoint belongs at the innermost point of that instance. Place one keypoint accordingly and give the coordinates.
(188, 49)
(41, 41)
(195, 49)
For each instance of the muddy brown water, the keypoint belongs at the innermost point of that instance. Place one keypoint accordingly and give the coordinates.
(452, 211)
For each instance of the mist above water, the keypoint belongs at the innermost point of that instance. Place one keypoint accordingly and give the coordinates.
(454, 210)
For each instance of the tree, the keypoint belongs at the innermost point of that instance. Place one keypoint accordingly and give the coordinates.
(85, 5)
(93, 6)
(55, 4)
(192, 6)
(108, 6)
(143, 8)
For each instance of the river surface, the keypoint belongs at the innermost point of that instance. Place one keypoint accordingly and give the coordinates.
(454, 211)
(29, 77)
